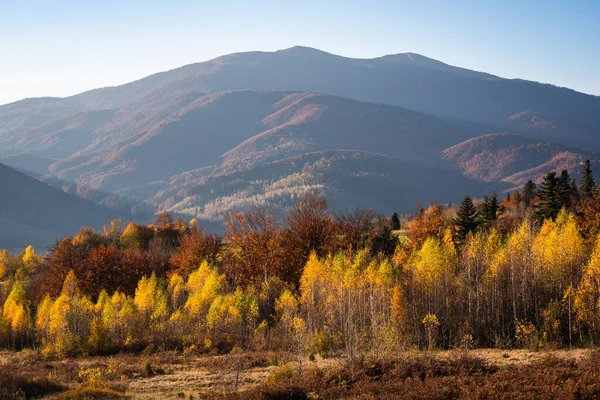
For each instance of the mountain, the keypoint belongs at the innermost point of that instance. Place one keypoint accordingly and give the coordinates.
(200, 138)
(347, 178)
(28, 163)
(236, 130)
(514, 159)
(473, 99)
(407, 80)
(33, 213)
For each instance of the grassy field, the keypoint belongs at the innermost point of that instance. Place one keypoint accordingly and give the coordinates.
(486, 373)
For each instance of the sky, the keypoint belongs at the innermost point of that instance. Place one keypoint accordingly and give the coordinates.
(64, 47)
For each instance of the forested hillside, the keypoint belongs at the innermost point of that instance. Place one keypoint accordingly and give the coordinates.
(521, 271)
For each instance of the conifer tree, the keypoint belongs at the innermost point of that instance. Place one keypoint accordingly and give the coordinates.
(395, 222)
(529, 192)
(575, 196)
(466, 218)
(489, 209)
(587, 183)
(564, 189)
(550, 204)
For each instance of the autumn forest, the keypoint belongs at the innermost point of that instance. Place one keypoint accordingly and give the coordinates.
(521, 271)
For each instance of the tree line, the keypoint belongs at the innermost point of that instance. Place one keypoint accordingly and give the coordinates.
(523, 271)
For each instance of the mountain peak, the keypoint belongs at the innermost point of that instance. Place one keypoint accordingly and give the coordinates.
(306, 51)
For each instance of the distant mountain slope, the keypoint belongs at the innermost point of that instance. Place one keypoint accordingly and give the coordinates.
(512, 159)
(32, 212)
(242, 128)
(207, 125)
(28, 163)
(407, 80)
(347, 178)
(27, 114)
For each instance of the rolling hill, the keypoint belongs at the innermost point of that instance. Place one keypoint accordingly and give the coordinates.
(236, 130)
(513, 159)
(33, 213)
(347, 178)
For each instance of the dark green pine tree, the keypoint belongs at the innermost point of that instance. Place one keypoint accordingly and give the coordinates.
(466, 218)
(587, 181)
(489, 209)
(483, 210)
(395, 222)
(549, 198)
(529, 192)
(574, 192)
(497, 208)
(564, 189)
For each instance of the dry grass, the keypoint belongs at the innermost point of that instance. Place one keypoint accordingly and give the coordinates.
(486, 373)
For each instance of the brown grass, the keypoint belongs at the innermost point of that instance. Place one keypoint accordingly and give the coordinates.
(486, 373)
(456, 375)
(16, 385)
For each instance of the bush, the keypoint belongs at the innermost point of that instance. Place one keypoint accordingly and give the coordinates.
(89, 393)
(284, 373)
(13, 385)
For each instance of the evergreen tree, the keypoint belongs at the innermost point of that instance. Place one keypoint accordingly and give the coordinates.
(564, 189)
(395, 222)
(549, 204)
(529, 192)
(574, 191)
(587, 183)
(466, 218)
(489, 209)
(484, 210)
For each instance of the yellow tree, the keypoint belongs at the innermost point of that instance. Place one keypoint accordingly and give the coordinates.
(313, 289)
(521, 273)
(231, 318)
(151, 299)
(558, 251)
(16, 313)
(42, 319)
(68, 320)
(4, 260)
(177, 291)
(30, 259)
(587, 297)
(428, 268)
(203, 286)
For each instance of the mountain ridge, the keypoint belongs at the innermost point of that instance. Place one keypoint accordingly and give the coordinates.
(300, 114)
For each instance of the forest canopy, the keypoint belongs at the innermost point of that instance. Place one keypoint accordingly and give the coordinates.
(521, 271)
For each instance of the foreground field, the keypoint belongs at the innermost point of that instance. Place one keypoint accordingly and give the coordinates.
(440, 375)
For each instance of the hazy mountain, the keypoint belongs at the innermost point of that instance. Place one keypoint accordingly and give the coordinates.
(513, 159)
(347, 178)
(408, 80)
(244, 128)
(215, 126)
(34, 213)
(29, 163)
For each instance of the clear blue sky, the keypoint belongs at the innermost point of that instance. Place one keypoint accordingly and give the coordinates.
(63, 47)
